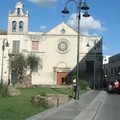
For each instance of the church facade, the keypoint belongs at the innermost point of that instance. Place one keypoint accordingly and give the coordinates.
(56, 48)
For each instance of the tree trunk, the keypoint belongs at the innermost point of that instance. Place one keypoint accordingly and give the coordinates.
(25, 82)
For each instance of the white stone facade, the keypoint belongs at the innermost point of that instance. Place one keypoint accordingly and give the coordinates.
(112, 68)
(57, 48)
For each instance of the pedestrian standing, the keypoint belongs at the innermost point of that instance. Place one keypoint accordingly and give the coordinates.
(74, 88)
(116, 86)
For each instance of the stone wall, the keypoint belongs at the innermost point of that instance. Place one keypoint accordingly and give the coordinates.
(57, 99)
(52, 99)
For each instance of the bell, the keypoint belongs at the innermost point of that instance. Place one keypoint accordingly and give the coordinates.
(86, 14)
(14, 27)
(65, 11)
(85, 7)
(21, 26)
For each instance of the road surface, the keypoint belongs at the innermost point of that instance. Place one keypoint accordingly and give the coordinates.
(109, 109)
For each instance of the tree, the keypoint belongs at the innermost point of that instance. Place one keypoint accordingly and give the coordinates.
(18, 64)
(21, 65)
(33, 62)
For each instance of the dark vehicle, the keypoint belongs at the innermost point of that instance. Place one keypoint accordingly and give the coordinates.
(111, 89)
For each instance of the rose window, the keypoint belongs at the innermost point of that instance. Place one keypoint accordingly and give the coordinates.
(63, 46)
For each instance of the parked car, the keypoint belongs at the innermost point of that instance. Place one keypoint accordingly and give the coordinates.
(111, 89)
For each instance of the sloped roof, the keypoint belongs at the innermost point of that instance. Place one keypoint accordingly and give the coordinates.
(62, 26)
(3, 32)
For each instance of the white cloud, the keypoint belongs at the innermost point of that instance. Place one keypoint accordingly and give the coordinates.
(104, 48)
(88, 26)
(44, 3)
(43, 28)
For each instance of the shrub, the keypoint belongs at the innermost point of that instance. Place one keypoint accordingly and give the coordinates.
(3, 90)
(83, 84)
(42, 94)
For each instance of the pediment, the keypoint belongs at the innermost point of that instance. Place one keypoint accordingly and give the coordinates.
(62, 29)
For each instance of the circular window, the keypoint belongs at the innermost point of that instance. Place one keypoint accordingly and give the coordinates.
(63, 46)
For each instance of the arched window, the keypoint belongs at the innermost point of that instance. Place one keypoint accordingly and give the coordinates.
(21, 26)
(14, 24)
(18, 12)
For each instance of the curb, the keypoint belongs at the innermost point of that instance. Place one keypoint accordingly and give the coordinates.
(52, 110)
(86, 114)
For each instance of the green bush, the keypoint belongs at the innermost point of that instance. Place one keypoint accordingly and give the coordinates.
(42, 94)
(3, 90)
(83, 84)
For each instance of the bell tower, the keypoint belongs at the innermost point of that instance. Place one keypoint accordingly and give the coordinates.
(18, 20)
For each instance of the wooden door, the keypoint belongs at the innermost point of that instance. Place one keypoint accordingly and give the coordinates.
(61, 78)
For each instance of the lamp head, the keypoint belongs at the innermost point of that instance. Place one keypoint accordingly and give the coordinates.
(7, 44)
(88, 45)
(84, 7)
(86, 14)
(65, 11)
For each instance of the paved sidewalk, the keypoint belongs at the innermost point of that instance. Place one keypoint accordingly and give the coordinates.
(83, 109)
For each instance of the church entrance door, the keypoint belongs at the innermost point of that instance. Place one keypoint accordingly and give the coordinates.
(61, 78)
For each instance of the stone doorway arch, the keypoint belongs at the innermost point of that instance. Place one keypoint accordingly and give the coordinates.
(61, 72)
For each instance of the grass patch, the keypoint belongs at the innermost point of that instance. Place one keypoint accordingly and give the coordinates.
(20, 107)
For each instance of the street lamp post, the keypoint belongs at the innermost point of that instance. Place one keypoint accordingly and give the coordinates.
(88, 45)
(5, 44)
(80, 5)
